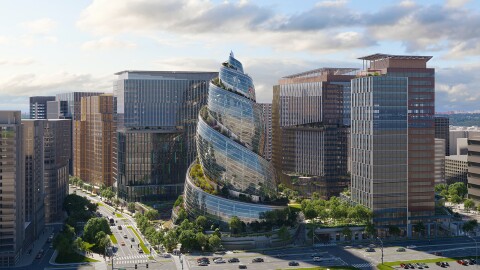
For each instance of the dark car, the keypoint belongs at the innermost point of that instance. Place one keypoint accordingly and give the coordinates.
(257, 260)
(119, 227)
(293, 263)
(202, 263)
(437, 253)
(472, 261)
(233, 260)
(370, 249)
(242, 266)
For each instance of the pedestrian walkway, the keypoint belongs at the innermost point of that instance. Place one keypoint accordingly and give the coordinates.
(29, 253)
(130, 259)
(364, 265)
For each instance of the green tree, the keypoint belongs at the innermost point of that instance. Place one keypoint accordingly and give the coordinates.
(201, 222)
(394, 230)
(181, 216)
(284, 234)
(214, 242)
(370, 229)
(93, 227)
(440, 187)
(131, 207)
(458, 188)
(469, 226)
(108, 193)
(455, 199)
(347, 233)
(188, 240)
(152, 214)
(310, 212)
(202, 240)
(469, 204)
(419, 228)
(170, 240)
(179, 201)
(235, 225)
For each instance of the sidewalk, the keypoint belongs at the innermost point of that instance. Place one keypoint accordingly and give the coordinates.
(27, 259)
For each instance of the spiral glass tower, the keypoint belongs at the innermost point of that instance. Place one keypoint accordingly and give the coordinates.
(231, 176)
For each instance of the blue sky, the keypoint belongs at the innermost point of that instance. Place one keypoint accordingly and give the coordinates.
(56, 46)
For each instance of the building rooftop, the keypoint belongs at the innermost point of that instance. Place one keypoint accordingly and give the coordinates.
(458, 157)
(322, 71)
(381, 56)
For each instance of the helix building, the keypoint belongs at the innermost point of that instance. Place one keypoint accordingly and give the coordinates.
(232, 176)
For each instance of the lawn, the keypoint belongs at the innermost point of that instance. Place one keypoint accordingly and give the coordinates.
(142, 245)
(295, 206)
(114, 240)
(328, 267)
(72, 258)
(118, 215)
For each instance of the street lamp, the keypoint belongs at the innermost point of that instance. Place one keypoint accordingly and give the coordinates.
(476, 248)
(382, 246)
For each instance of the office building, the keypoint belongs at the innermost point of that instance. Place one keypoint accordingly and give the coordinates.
(97, 136)
(473, 159)
(230, 143)
(57, 109)
(456, 169)
(33, 140)
(12, 188)
(38, 106)
(157, 114)
(57, 155)
(267, 121)
(440, 161)
(442, 131)
(393, 134)
(310, 137)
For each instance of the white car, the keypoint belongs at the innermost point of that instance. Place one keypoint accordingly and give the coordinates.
(317, 259)
(219, 261)
(412, 246)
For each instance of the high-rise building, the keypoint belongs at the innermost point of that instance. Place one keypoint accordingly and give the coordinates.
(267, 121)
(12, 188)
(442, 131)
(156, 114)
(33, 140)
(97, 136)
(57, 109)
(38, 106)
(232, 177)
(473, 159)
(310, 137)
(393, 133)
(440, 161)
(57, 155)
(456, 169)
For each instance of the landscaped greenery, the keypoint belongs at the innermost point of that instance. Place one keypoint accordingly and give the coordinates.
(118, 215)
(72, 258)
(326, 268)
(196, 173)
(79, 209)
(113, 239)
(142, 244)
(454, 193)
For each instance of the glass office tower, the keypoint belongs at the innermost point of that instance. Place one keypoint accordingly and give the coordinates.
(156, 114)
(230, 143)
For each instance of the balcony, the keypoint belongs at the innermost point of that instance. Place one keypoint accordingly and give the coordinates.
(473, 158)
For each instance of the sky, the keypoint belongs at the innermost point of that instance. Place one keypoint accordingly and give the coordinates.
(55, 46)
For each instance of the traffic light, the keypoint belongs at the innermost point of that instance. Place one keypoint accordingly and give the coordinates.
(135, 266)
(147, 265)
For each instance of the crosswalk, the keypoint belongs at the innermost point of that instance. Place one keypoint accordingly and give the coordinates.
(131, 259)
(364, 265)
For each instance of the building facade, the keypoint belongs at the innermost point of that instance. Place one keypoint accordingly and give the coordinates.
(57, 109)
(473, 159)
(456, 169)
(310, 137)
(34, 190)
(440, 161)
(442, 131)
(12, 189)
(97, 137)
(394, 174)
(156, 114)
(267, 121)
(38, 106)
(57, 147)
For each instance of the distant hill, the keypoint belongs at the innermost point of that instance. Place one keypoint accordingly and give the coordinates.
(464, 119)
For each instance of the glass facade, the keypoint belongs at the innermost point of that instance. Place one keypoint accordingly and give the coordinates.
(231, 145)
(379, 138)
(156, 114)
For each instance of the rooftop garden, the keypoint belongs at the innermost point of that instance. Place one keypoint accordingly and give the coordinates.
(200, 180)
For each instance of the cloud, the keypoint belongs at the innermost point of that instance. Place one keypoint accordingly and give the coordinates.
(107, 43)
(457, 89)
(456, 3)
(40, 26)
(16, 62)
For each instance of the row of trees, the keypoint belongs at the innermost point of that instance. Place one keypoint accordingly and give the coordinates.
(454, 193)
(335, 211)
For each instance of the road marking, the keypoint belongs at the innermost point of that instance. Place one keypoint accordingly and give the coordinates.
(363, 265)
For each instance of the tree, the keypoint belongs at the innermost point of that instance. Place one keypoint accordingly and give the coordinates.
(93, 227)
(469, 226)
(394, 230)
(284, 234)
(188, 240)
(370, 229)
(170, 240)
(347, 233)
(131, 207)
(102, 241)
(179, 201)
(478, 208)
(419, 228)
(79, 244)
(458, 188)
(201, 222)
(468, 204)
(455, 199)
(440, 187)
(235, 225)
(215, 242)
(202, 240)
(152, 214)
(310, 212)
(181, 216)
(108, 193)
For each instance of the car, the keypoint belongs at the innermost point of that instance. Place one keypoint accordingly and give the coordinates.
(166, 255)
(370, 249)
(402, 265)
(424, 265)
(411, 246)
(472, 261)
(39, 255)
(293, 263)
(317, 259)
(119, 227)
(132, 239)
(257, 260)
(436, 253)
(411, 266)
(401, 249)
(140, 251)
(371, 245)
(242, 266)
(221, 252)
(203, 259)
(220, 261)
(419, 266)
(122, 243)
(461, 262)
(202, 263)
(216, 258)
(125, 236)
(233, 260)
(316, 255)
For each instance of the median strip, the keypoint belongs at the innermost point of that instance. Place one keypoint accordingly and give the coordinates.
(142, 245)
(114, 240)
